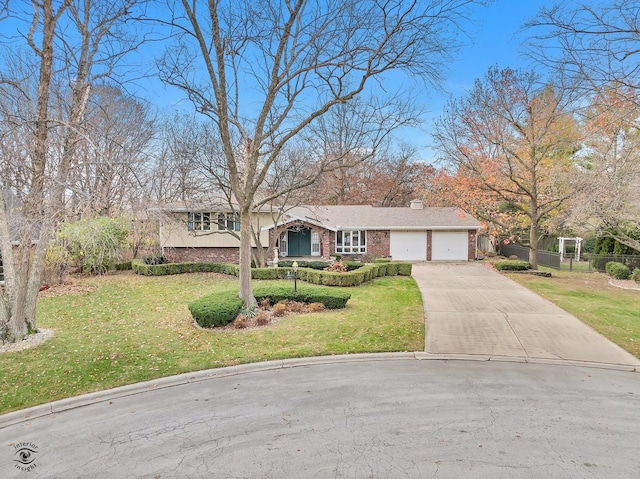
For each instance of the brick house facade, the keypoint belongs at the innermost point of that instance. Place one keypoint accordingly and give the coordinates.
(351, 231)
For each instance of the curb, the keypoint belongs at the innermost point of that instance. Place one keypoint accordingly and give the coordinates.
(26, 415)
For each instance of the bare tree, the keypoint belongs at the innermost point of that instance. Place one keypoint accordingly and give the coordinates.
(70, 46)
(517, 139)
(264, 72)
(597, 44)
(595, 47)
(112, 154)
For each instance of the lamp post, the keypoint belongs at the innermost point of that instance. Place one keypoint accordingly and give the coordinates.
(295, 276)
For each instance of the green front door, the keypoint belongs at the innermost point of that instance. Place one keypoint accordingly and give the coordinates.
(300, 243)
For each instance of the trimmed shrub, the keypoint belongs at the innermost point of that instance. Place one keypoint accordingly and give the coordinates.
(269, 273)
(154, 259)
(122, 266)
(332, 298)
(617, 270)
(217, 309)
(636, 274)
(353, 265)
(221, 308)
(382, 260)
(513, 265)
(404, 269)
(353, 277)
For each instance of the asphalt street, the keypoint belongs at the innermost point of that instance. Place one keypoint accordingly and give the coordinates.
(375, 418)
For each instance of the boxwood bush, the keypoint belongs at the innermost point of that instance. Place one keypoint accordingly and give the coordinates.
(217, 309)
(220, 308)
(617, 270)
(332, 298)
(513, 265)
(353, 277)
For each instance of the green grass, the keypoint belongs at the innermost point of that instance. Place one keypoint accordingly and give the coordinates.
(136, 328)
(576, 267)
(612, 311)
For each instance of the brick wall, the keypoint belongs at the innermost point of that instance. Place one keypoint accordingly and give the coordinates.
(472, 245)
(378, 243)
(228, 255)
(327, 237)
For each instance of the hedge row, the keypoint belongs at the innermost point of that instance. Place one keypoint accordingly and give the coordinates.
(513, 265)
(319, 265)
(140, 267)
(332, 298)
(355, 277)
(219, 309)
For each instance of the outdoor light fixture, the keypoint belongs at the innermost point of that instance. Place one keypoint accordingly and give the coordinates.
(295, 276)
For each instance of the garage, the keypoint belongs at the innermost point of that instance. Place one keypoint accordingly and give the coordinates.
(408, 245)
(449, 246)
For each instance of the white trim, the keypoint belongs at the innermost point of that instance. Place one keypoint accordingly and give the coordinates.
(411, 228)
(315, 243)
(361, 248)
(292, 218)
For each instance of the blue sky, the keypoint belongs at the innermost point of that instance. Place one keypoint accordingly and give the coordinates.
(495, 41)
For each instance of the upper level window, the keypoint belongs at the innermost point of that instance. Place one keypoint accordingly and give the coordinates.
(229, 221)
(221, 221)
(353, 242)
(199, 221)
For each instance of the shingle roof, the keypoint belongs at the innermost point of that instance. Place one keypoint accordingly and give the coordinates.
(370, 217)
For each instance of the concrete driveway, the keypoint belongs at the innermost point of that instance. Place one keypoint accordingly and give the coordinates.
(473, 310)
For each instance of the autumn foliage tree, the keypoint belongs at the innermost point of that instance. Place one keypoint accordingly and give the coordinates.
(514, 138)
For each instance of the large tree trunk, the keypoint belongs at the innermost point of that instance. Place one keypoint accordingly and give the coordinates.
(246, 289)
(533, 233)
(23, 281)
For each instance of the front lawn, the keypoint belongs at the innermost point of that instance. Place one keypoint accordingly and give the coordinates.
(614, 312)
(136, 328)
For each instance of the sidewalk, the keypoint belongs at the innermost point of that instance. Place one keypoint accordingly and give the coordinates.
(472, 310)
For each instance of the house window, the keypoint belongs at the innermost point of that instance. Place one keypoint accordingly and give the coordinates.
(351, 242)
(204, 221)
(199, 221)
(228, 221)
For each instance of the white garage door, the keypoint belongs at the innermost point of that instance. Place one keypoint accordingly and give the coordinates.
(449, 246)
(408, 245)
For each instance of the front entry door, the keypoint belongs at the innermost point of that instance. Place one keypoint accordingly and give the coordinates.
(300, 243)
